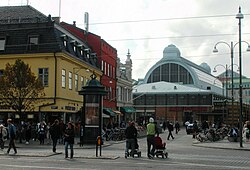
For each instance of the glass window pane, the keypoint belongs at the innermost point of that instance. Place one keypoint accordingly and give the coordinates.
(70, 80)
(2, 44)
(63, 78)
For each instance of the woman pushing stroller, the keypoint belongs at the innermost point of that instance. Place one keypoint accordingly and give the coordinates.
(151, 132)
(131, 139)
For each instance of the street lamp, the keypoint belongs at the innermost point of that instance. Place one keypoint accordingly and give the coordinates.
(226, 68)
(232, 46)
(240, 16)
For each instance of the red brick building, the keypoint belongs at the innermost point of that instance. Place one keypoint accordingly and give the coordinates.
(107, 60)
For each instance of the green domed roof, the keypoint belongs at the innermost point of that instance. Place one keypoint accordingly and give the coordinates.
(171, 51)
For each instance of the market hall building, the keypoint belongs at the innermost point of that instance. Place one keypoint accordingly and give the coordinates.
(177, 89)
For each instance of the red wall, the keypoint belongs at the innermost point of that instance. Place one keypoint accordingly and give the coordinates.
(104, 52)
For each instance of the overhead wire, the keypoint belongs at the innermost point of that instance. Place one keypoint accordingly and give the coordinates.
(163, 19)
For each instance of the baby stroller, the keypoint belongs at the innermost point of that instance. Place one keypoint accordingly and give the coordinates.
(136, 152)
(160, 148)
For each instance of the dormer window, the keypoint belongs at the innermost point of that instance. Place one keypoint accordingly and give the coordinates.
(33, 39)
(2, 43)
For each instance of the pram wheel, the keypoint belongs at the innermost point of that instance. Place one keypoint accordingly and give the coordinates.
(166, 155)
(126, 155)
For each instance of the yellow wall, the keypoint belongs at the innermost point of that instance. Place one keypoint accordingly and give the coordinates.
(65, 97)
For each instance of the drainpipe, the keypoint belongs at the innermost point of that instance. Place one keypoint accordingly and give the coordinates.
(55, 87)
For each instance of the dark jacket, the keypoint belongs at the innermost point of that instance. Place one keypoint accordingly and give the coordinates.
(170, 127)
(12, 131)
(131, 132)
(55, 131)
(69, 135)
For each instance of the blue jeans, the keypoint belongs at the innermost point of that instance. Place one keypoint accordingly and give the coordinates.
(54, 140)
(67, 144)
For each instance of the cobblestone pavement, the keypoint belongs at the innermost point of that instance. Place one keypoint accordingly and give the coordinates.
(184, 153)
(115, 149)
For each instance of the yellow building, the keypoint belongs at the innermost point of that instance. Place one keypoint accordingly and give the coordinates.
(61, 60)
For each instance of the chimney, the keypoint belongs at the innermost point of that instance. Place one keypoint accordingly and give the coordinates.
(74, 23)
(86, 22)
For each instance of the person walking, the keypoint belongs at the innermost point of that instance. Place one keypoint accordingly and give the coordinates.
(12, 136)
(131, 138)
(170, 129)
(177, 127)
(196, 129)
(164, 125)
(69, 135)
(3, 136)
(55, 133)
(27, 133)
(41, 132)
(151, 132)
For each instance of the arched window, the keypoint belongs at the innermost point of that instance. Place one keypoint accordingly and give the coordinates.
(171, 72)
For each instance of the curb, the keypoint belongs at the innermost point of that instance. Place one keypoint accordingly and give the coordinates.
(219, 147)
(31, 154)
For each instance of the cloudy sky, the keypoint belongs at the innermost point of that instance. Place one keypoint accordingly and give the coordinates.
(146, 27)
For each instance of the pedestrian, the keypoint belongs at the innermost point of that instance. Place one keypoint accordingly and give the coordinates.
(3, 136)
(131, 138)
(55, 133)
(12, 136)
(247, 131)
(177, 127)
(164, 125)
(186, 124)
(28, 129)
(41, 132)
(170, 129)
(62, 129)
(196, 129)
(151, 132)
(69, 135)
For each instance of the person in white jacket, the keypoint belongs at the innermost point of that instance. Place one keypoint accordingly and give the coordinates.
(3, 136)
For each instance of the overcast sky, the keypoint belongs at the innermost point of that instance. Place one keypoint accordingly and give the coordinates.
(146, 27)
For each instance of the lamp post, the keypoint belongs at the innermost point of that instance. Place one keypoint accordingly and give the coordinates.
(226, 69)
(224, 101)
(240, 16)
(231, 46)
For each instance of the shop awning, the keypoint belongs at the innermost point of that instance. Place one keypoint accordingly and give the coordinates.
(117, 112)
(128, 109)
(105, 115)
(109, 112)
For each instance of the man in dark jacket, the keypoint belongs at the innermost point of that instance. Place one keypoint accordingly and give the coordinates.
(170, 130)
(131, 135)
(69, 135)
(12, 135)
(55, 133)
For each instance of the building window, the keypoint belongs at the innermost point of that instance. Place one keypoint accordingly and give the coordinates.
(76, 82)
(70, 80)
(102, 65)
(44, 75)
(108, 70)
(105, 68)
(33, 39)
(2, 44)
(63, 78)
(82, 81)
